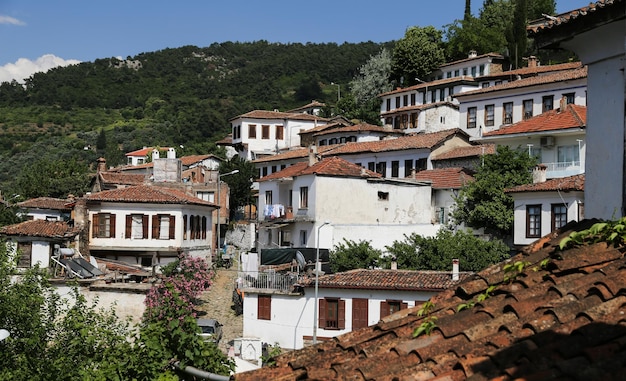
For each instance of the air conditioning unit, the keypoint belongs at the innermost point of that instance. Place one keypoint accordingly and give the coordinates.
(547, 141)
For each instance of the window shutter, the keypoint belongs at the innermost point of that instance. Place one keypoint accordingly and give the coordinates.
(341, 319)
(144, 225)
(203, 227)
(322, 317)
(95, 226)
(384, 309)
(112, 227)
(404, 306)
(129, 224)
(155, 226)
(184, 226)
(172, 227)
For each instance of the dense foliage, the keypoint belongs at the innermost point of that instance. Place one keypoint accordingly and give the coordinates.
(482, 203)
(436, 253)
(66, 338)
(349, 255)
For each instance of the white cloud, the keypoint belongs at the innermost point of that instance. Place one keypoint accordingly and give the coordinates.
(10, 20)
(23, 68)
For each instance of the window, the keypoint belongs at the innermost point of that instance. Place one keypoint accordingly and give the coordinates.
(333, 141)
(559, 216)
(397, 102)
(489, 115)
(395, 168)
(371, 166)
(103, 225)
(268, 197)
(408, 168)
(185, 226)
(163, 226)
(464, 71)
(279, 133)
(323, 142)
(388, 104)
(533, 221)
(332, 313)
(424, 97)
(413, 122)
(481, 69)
(381, 167)
(547, 103)
(456, 73)
(360, 317)
(265, 131)
(389, 307)
(471, 117)
(252, 131)
(442, 216)
(420, 164)
(568, 155)
(302, 238)
(137, 226)
(569, 98)
(304, 197)
(264, 171)
(405, 100)
(473, 71)
(206, 196)
(496, 83)
(433, 95)
(264, 308)
(484, 85)
(528, 108)
(383, 196)
(274, 168)
(412, 99)
(507, 112)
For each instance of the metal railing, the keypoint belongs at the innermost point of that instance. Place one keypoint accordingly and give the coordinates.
(269, 280)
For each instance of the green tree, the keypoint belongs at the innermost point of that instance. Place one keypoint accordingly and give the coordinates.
(482, 203)
(350, 255)
(417, 54)
(240, 183)
(436, 253)
(373, 79)
(53, 178)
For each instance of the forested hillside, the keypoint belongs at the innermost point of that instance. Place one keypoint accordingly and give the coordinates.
(173, 97)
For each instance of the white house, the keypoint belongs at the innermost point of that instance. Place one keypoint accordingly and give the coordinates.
(45, 208)
(346, 301)
(259, 133)
(361, 205)
(141, 156)
(546, 205)
(555, 137)
(146, 224)
(597, 34)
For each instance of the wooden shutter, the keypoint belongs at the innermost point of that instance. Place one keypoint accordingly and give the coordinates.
(321, 321)
(360, 316)
(156, 225)
(112, 227)
(144, 226)
(172, 227)
(204, 227)
(264, 307)
(95, 226)
(341, 316)
(129, 225)
(404, 306)
(184, 226)
(384, 309)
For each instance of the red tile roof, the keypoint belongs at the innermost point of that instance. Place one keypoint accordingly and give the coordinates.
(361, 127)
(41, 228)
(528, 71)
(192, 159)
(562, 317)
(122, 178)
(560, 76)
(403, 280)
(568, 17)
(431, 84)
(446, 178)
(469, 151)
(151, 194)
(297, 153)
(420, 107)
(331, 166)
(574, 116)
(570, 183)
(46, 203)
(493, 55)
(314, 104)
(145, 151)
(263, 114)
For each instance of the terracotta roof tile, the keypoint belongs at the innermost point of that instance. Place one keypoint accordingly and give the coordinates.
(122, 178)
(331, 166)
(310, 105)
(145, 151)
(535, 70)
(570, 183)
(420, 107)
(297, 153)
(192, 159)
(469, 151)
(574, 116)
(563, 317)
(492, 54)
(146, 194)
(432, 84)
(446, 178)
(41, 228)
(46, 203)
(566, 75)
(544, 24)
(263, 114)
(361, 127)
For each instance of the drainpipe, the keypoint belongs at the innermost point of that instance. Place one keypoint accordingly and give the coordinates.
(202, 374)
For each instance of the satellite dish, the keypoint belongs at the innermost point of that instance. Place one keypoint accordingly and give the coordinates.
(300, 259)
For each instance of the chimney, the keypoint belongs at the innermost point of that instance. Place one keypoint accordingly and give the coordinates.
(563, 104)
(312, 155)
(532, 61)
(171, 153)
(155, 154)
(102, 164)
(472, 54)
(455, 269)
(539, 174)
(413, 173)
(394, 263)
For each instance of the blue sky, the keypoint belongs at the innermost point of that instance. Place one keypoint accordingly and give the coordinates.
(39, 34)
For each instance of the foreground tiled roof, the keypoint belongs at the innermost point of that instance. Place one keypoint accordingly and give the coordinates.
(560, 76)
(570, 183)
(534, 70)
(545, 24)
(331, 166)
(46, 203)
(563, 317)
(446, 178)
(574, 116)
(146, 194)
(263, 114)
(404, 280)
(469, 151)
(41, 228)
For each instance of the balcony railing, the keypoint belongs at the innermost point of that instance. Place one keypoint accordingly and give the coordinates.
(269, 280)
(564, 168)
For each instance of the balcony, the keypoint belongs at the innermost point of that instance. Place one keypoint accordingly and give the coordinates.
(564, 169)
(277, 212)
(269, 281)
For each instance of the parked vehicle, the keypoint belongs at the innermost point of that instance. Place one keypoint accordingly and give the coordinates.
(210, 330)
